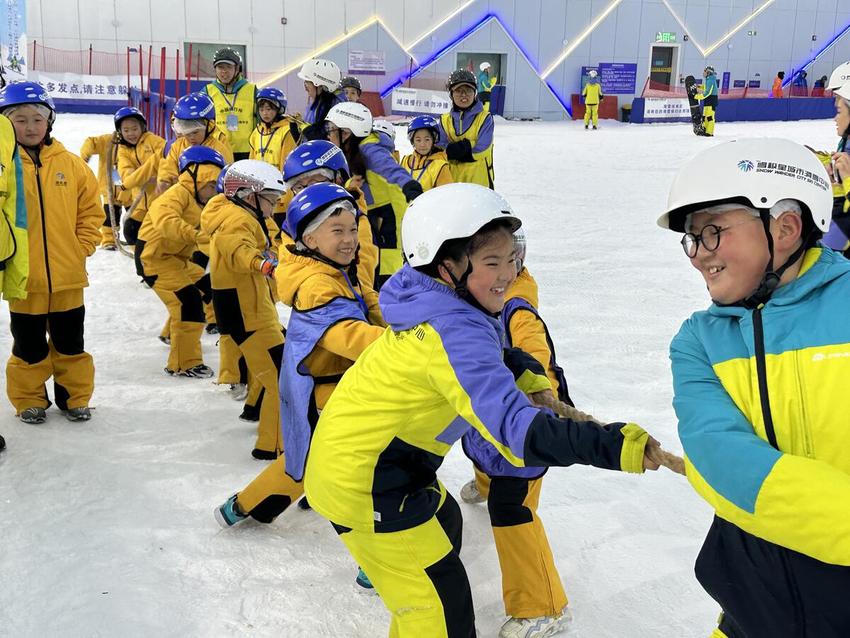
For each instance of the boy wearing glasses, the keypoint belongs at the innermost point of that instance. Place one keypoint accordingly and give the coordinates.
(757, 379)
(466, 132)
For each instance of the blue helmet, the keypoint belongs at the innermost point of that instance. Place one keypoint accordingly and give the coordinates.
(219, 183)
(195, 106)
(199, 155)
(310, 202)
(128, 111)
(423, 121)
(312, 155)
(16, 93)
(273, 95)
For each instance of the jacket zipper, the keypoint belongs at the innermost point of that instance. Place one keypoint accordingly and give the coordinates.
(761, 372)
(37, 163)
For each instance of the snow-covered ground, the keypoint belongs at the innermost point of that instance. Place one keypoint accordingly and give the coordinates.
(106, 527)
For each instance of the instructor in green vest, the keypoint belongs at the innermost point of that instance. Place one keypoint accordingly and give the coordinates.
(234, 99)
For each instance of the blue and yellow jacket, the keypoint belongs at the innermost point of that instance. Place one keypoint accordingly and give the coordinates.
(385, 200)
(757, 394)
(272, 143)
(414, 392)
(709, 91)
(475, 126)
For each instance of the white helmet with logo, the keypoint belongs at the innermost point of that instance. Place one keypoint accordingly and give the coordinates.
(754, 172)
(453, 211)
(353, 116)
(484, 66)
(840, 76)
(321, 73)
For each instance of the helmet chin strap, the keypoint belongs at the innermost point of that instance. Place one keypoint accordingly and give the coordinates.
(771, 277)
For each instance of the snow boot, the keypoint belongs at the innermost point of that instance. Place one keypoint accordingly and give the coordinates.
(540, 627)
(33, 415)
(469, 493)
(77, 414)
(228, 513)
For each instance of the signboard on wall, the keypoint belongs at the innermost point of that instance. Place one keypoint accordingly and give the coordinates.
(87, 88)
(405, 100)
(665, 109)
(618, 77)
(367, 62)
(13, 36)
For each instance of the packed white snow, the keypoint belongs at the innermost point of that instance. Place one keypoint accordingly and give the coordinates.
(106, 527)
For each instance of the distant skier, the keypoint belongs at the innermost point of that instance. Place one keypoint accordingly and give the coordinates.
(708, 97)
(592, 94)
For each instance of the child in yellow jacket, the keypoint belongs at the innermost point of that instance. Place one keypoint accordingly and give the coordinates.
(427, 164)
(241, 269)
(193, 120)
(103, 147)
(333, 320)
(167, 240)
(275, 135)
(63, 220)
(139, 154)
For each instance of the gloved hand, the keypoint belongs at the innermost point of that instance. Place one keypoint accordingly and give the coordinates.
(411, 190)
(267, 265)
(460, 151)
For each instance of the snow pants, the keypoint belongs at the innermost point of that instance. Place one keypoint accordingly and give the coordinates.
(263, 352)
(708, 119)
(47, 333)
(591, 111)
(270, 493)
(531, 585)
(183, 290)
(419, 575)
(107, 237)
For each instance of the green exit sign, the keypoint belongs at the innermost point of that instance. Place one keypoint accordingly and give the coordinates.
(665, 36)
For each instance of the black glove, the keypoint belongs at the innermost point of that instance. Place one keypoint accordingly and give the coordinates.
(411, 190)
(460, 151)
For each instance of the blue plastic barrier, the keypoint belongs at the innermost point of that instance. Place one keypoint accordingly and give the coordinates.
(757, 110)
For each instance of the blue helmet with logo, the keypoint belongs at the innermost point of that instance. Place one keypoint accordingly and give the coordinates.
(309, 203)
(195, 106)
(312, 155)
(199, 155)
(128, 111)
(423, 122)
(273, 95)
(17, 93)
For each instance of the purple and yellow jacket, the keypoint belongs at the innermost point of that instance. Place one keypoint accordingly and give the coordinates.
(418, 389)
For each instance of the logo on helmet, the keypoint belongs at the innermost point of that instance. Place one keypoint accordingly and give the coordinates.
(327, 156)
(746, 165)
(422, 250)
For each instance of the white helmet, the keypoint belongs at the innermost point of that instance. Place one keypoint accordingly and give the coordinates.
(453, 211)
(251, 175)
(755, 172)
(385, 127)
(592, 73)
(843, 91)
(840, 76)
(321, 73)
(484, 65)
(354, 116)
